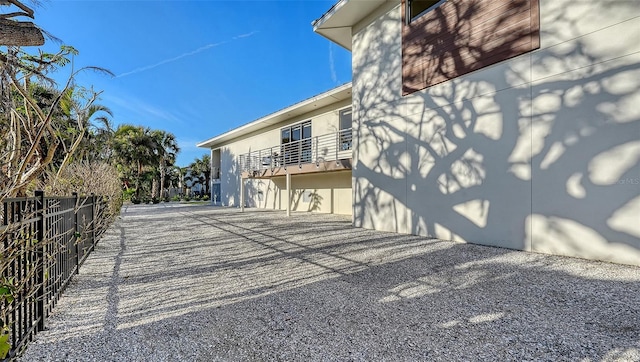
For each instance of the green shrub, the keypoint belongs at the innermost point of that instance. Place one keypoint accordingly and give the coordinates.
(128, 194)
(205, 198)
(155, 200)
(135, 200)
(167, 199)
(175, 198)
(187, 198)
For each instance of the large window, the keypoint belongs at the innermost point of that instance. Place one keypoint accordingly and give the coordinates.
(416, 8)
(296, 143)
(432, 54)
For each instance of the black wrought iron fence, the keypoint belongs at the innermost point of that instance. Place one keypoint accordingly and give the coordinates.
(44, 242)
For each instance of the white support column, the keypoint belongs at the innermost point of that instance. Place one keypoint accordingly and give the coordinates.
(211, 170)
(241, 194)
(288, 194)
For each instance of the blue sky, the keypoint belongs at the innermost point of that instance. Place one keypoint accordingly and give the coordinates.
(197, 68)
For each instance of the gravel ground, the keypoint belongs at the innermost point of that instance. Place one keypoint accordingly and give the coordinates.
(198, 283)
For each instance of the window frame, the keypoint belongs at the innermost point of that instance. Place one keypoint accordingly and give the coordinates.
(409, 18)
(345, 136)
(303, 155)
(290, 128)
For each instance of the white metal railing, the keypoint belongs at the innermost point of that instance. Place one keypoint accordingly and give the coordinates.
(328, 147)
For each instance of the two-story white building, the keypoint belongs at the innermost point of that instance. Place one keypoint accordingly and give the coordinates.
(296, 159)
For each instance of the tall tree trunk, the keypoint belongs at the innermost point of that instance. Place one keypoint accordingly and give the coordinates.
(162, 175)
(154, 188)
(138, 180)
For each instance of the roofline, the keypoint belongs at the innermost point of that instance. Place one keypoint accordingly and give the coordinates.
(337, 23)
(319, 21)
(263, 122)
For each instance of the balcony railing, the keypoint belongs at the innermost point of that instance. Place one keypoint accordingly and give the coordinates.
(329, 147)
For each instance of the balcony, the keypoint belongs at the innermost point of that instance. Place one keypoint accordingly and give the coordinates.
(329, 152)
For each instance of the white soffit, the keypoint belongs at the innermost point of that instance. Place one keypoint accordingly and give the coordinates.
(332, 96)
(337, 22)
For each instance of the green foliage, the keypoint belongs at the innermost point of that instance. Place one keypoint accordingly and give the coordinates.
(48, 127)
(127, 194)
(143, 156)
(7, 289)
(5, 347)
(175, 198)
(200, 172)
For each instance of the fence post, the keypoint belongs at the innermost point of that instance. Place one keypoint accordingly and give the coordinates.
(75, 230)
(41, 276)
(94, 224)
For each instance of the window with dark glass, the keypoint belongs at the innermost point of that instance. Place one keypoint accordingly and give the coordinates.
(345, 129)
(416, 8)
(286, 135)
(296, 143)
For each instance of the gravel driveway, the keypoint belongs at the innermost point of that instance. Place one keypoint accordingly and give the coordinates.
(174, 282)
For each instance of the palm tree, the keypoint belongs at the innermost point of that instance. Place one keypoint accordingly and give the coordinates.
(173, 177)
(167, 150)
(184, 178)
(102, 135)
(201, 168)
(135, 146)
(79, 110)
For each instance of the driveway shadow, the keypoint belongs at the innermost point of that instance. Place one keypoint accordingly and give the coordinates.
(205, 283)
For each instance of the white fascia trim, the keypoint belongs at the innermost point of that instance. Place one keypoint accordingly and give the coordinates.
(264, 120)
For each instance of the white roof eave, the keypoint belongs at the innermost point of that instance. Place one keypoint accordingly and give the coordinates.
(337, 22)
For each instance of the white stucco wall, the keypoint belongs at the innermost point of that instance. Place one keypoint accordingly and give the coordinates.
(328, 193)
(540, 152)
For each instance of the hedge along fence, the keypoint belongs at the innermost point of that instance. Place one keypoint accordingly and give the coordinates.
(45, 240)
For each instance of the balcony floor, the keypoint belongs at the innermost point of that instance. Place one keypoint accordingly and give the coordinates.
(278, 171)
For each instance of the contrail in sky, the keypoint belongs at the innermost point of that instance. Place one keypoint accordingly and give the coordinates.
(188, 54)
(244, 35)
(332, 65)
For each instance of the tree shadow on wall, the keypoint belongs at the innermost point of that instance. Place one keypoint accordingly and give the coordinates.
(230, 181)
(255, 195)
(539, 152)
(310, 197)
